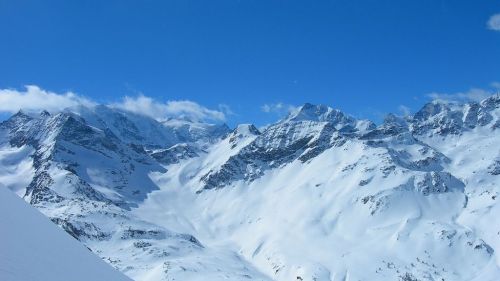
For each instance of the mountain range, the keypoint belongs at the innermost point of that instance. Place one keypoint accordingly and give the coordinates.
(318, 195)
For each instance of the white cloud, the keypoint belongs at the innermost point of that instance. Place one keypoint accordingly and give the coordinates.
(226, 109)
(404, 110)
(266, 108)
(193, 110)
(474, 94)
(494, 22)
(278, 108)
(36, 99)
(179, 109)
(495, 85)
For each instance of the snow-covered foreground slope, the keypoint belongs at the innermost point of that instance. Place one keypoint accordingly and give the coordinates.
(32, 248)
(316, 196)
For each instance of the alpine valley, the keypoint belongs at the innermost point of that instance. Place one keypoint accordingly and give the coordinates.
(318, 195)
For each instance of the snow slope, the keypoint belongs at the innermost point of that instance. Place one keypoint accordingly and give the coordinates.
(32, 248)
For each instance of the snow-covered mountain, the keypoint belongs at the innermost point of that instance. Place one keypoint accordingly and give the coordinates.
(318, 195)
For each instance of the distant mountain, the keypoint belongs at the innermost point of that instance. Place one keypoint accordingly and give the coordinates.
(318, 195)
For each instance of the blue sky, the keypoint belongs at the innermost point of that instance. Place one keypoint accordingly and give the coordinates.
(366, 58)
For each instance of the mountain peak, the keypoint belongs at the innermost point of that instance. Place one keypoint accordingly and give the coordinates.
(44, 113)
(430, 109)
(322, 113)
(491, 102)
(19, 118)
(20, 113)
(246, 130)
(393, 119)
(310, 112)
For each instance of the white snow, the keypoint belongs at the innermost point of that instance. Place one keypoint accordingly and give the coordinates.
(16, 167)
(32, 248)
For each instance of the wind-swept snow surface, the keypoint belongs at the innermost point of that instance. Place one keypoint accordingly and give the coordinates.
(32, 248)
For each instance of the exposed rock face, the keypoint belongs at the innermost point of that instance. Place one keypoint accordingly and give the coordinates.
(175, 154)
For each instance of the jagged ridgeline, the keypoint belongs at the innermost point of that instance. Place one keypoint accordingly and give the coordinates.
(318, 195)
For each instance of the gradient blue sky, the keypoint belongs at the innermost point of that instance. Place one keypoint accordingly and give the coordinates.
(366, 58)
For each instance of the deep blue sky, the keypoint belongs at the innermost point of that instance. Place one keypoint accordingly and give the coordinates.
(363, 57)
